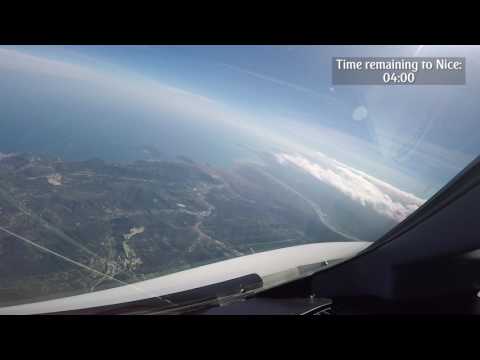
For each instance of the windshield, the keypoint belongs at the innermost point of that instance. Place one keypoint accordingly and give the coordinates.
(125, 163)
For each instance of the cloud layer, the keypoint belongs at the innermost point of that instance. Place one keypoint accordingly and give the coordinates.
(371, 192)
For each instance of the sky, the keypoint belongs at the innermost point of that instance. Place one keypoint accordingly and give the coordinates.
(414, 138)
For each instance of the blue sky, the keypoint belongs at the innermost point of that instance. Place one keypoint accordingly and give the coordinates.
(415, 138)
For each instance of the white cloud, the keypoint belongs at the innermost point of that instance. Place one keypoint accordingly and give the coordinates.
(359, 186)
(4, 156)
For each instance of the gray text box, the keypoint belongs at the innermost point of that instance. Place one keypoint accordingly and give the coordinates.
(398, 70)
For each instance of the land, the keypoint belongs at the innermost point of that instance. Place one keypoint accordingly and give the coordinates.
(133, 221)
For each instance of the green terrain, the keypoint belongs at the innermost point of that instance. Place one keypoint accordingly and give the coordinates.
(133, 221)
